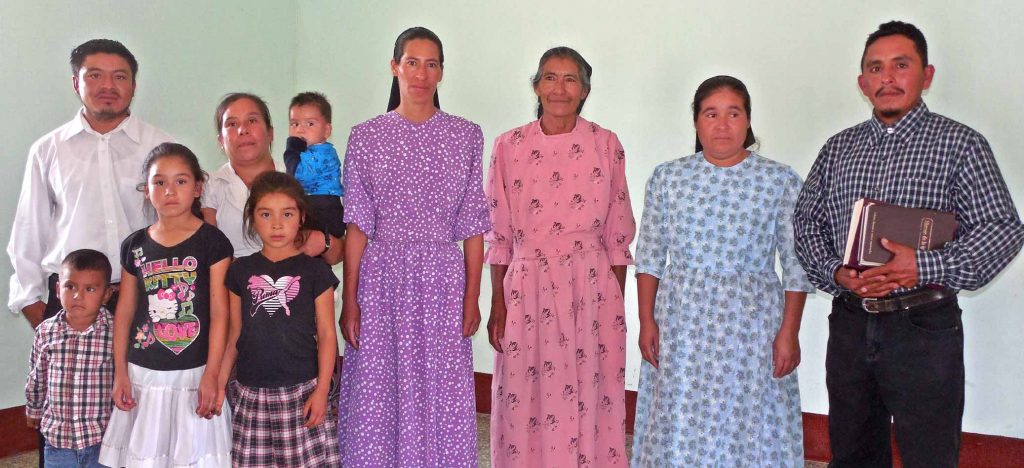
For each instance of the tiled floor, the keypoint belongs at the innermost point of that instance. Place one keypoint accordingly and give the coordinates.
(28, 460)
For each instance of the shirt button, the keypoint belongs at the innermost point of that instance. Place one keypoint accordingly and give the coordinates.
(110, 221)
(890, 130)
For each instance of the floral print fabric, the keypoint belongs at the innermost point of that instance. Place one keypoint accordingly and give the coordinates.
(562, 218)
(711, 235)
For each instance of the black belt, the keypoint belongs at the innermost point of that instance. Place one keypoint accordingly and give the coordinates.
(906, 301)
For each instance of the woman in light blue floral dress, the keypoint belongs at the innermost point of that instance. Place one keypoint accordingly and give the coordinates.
(718, 331)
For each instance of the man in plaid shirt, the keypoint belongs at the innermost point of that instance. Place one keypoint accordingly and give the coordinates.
(895, 348)
(68, 389)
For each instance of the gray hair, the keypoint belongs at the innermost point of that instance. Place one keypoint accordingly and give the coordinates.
(564, 52)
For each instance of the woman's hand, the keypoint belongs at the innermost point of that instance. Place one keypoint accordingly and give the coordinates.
(650, 342)
(650, 336)
(470, 317)
(496, 324)
(122, 394)
(355, 243)
(316, 406)
(315, 243)
(349, 322)
(785, 353)
(207, 396)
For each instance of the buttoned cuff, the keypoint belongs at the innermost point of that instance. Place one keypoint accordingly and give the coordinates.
(930, 267)
(620, 257)
(16, 305)
(34, 413)
(831, 266)
(648, 269)
(498, 254)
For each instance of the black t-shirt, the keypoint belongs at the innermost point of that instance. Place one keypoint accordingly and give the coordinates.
(170, 330)
(277, 346)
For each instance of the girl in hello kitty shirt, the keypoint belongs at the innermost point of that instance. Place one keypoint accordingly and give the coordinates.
(170, 328)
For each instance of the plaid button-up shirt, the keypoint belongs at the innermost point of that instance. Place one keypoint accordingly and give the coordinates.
(71, 379)
(923, 161)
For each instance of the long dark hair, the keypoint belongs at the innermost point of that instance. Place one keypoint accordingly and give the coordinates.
(176, 150)
(274, 182)
(716, 83)
(417, 32)
(564, 52)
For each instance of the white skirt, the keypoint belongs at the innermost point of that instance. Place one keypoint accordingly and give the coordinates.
(163, 429)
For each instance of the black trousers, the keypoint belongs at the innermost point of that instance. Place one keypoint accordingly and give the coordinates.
(52, 307)
(903, 367)
(326, 213)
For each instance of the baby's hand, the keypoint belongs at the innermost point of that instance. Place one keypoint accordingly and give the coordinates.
(297, 144)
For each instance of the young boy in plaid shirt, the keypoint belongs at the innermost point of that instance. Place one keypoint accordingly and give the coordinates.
(68, 389)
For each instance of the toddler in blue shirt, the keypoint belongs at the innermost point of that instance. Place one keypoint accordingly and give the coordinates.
(314, 162)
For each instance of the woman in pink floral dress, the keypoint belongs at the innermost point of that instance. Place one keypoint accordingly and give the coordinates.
(558, 254)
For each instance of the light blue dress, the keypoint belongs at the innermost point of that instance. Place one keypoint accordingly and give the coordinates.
(711, 234)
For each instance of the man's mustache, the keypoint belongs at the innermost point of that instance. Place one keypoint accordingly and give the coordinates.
(889, 90)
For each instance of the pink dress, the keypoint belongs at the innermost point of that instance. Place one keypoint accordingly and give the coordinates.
(562, 217)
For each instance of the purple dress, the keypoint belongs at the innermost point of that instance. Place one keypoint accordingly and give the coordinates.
(407, 393)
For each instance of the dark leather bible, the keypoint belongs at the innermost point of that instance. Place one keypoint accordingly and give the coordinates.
(872, 220)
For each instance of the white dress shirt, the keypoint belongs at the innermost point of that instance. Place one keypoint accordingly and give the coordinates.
(226, 193)
(80, 190)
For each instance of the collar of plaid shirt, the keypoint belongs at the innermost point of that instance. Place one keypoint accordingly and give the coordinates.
(904, 128)
(98, 326)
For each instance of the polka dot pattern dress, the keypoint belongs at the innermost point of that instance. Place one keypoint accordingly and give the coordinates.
(406, 397)
(562, 218)
(711, 235)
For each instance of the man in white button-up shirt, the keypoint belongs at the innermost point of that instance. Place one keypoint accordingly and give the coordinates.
(80, 184)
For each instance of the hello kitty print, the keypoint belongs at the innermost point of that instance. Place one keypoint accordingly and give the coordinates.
(172, 284)
(170, 287)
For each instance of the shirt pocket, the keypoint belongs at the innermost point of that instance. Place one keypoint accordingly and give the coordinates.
(930, 193)
(99, 360)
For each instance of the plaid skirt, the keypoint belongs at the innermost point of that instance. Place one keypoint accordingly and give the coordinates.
(267, 429)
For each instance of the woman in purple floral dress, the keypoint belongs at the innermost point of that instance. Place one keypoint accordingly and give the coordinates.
(413, 190)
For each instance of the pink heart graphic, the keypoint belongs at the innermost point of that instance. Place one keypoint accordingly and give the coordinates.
(177, 334)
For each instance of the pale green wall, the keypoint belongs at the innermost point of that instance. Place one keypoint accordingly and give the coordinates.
(799, 60)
